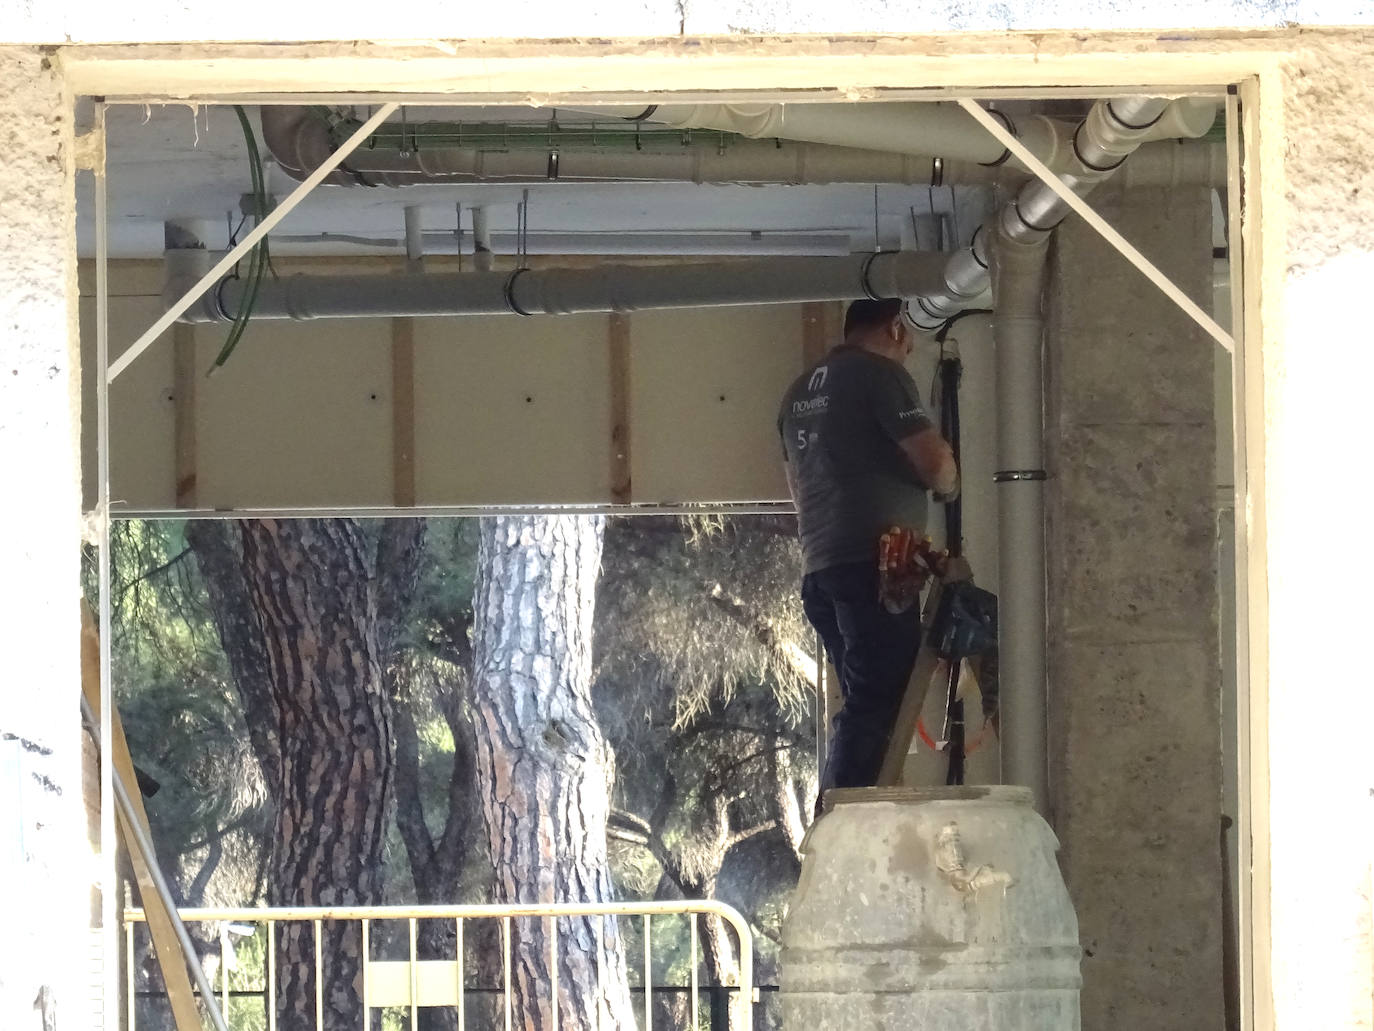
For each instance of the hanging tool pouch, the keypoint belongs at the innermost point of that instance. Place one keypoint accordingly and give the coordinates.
(966, 622)
(905, 563)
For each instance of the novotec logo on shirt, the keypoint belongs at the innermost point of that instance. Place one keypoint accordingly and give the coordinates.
(817, 379)
(812, 405)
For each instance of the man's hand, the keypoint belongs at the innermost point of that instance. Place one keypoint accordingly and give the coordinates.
(945, 497)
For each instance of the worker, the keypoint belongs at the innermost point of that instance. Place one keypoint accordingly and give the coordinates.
(860, 454)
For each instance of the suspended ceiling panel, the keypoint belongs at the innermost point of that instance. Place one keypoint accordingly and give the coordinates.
(512, 411)
(506, 411)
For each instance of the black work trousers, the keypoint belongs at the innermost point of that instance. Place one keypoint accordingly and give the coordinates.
(873, 652)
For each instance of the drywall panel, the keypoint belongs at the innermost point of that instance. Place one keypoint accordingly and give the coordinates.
(512, 410)
(704, 391)
(299, 415)
(506, 410)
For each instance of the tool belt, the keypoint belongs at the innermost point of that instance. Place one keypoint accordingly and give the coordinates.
(906, 561)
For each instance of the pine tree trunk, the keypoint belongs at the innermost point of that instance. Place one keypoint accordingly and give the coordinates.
(310, 584)
(219, 553)
(543, 764)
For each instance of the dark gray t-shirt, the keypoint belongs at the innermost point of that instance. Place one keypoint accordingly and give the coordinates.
(841, 422)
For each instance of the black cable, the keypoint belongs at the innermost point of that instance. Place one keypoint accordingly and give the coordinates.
(948, 324)
(950, 370)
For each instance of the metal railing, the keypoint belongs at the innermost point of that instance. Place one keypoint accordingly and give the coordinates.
(416, 983)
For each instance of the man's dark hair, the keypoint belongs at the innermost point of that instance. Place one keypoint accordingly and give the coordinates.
(868, 314)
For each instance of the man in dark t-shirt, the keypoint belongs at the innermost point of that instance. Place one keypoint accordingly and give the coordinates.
(860, 454)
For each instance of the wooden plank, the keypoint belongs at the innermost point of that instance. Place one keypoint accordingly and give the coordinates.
(1261, 104)
(564, 73)
(184, 412)
(894, 758)
(618, 339)
(165, 943)
(403, 412)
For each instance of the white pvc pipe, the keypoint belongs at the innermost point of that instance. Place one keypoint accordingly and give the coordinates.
(1110, 134)
(481, 240)
(742, 161)
(197, 289)
(415, 238)
(295, 140)
(897, 128)
(930, 128)
(606, 288)
(824, 242)
(1018, 331)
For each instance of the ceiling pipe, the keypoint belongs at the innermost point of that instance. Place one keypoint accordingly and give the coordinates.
(1111, 133)
(910, 128)
(1018, 332)
(608, 288)
(299, 140)
(481, 240)
(623, 244)
(1105, 139)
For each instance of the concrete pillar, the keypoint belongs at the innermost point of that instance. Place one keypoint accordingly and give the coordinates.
(1134, 675)
(45, 866)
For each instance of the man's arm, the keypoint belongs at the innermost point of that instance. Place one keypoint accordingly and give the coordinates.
(791, 481)
(933, 460)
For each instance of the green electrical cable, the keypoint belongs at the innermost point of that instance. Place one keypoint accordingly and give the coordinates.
(259, 258)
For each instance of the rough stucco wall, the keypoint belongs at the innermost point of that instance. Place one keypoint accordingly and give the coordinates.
(82, 21)
(41, 817)
(1317, 390)
(1134, 677)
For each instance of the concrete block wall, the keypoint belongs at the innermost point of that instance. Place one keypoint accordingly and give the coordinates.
(1134, 678)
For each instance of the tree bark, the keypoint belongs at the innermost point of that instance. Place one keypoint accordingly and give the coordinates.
(311, 588)
(219, 553)
(542, 762)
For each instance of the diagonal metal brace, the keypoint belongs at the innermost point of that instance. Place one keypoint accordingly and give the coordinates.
(259, 231)
(1073, 200)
